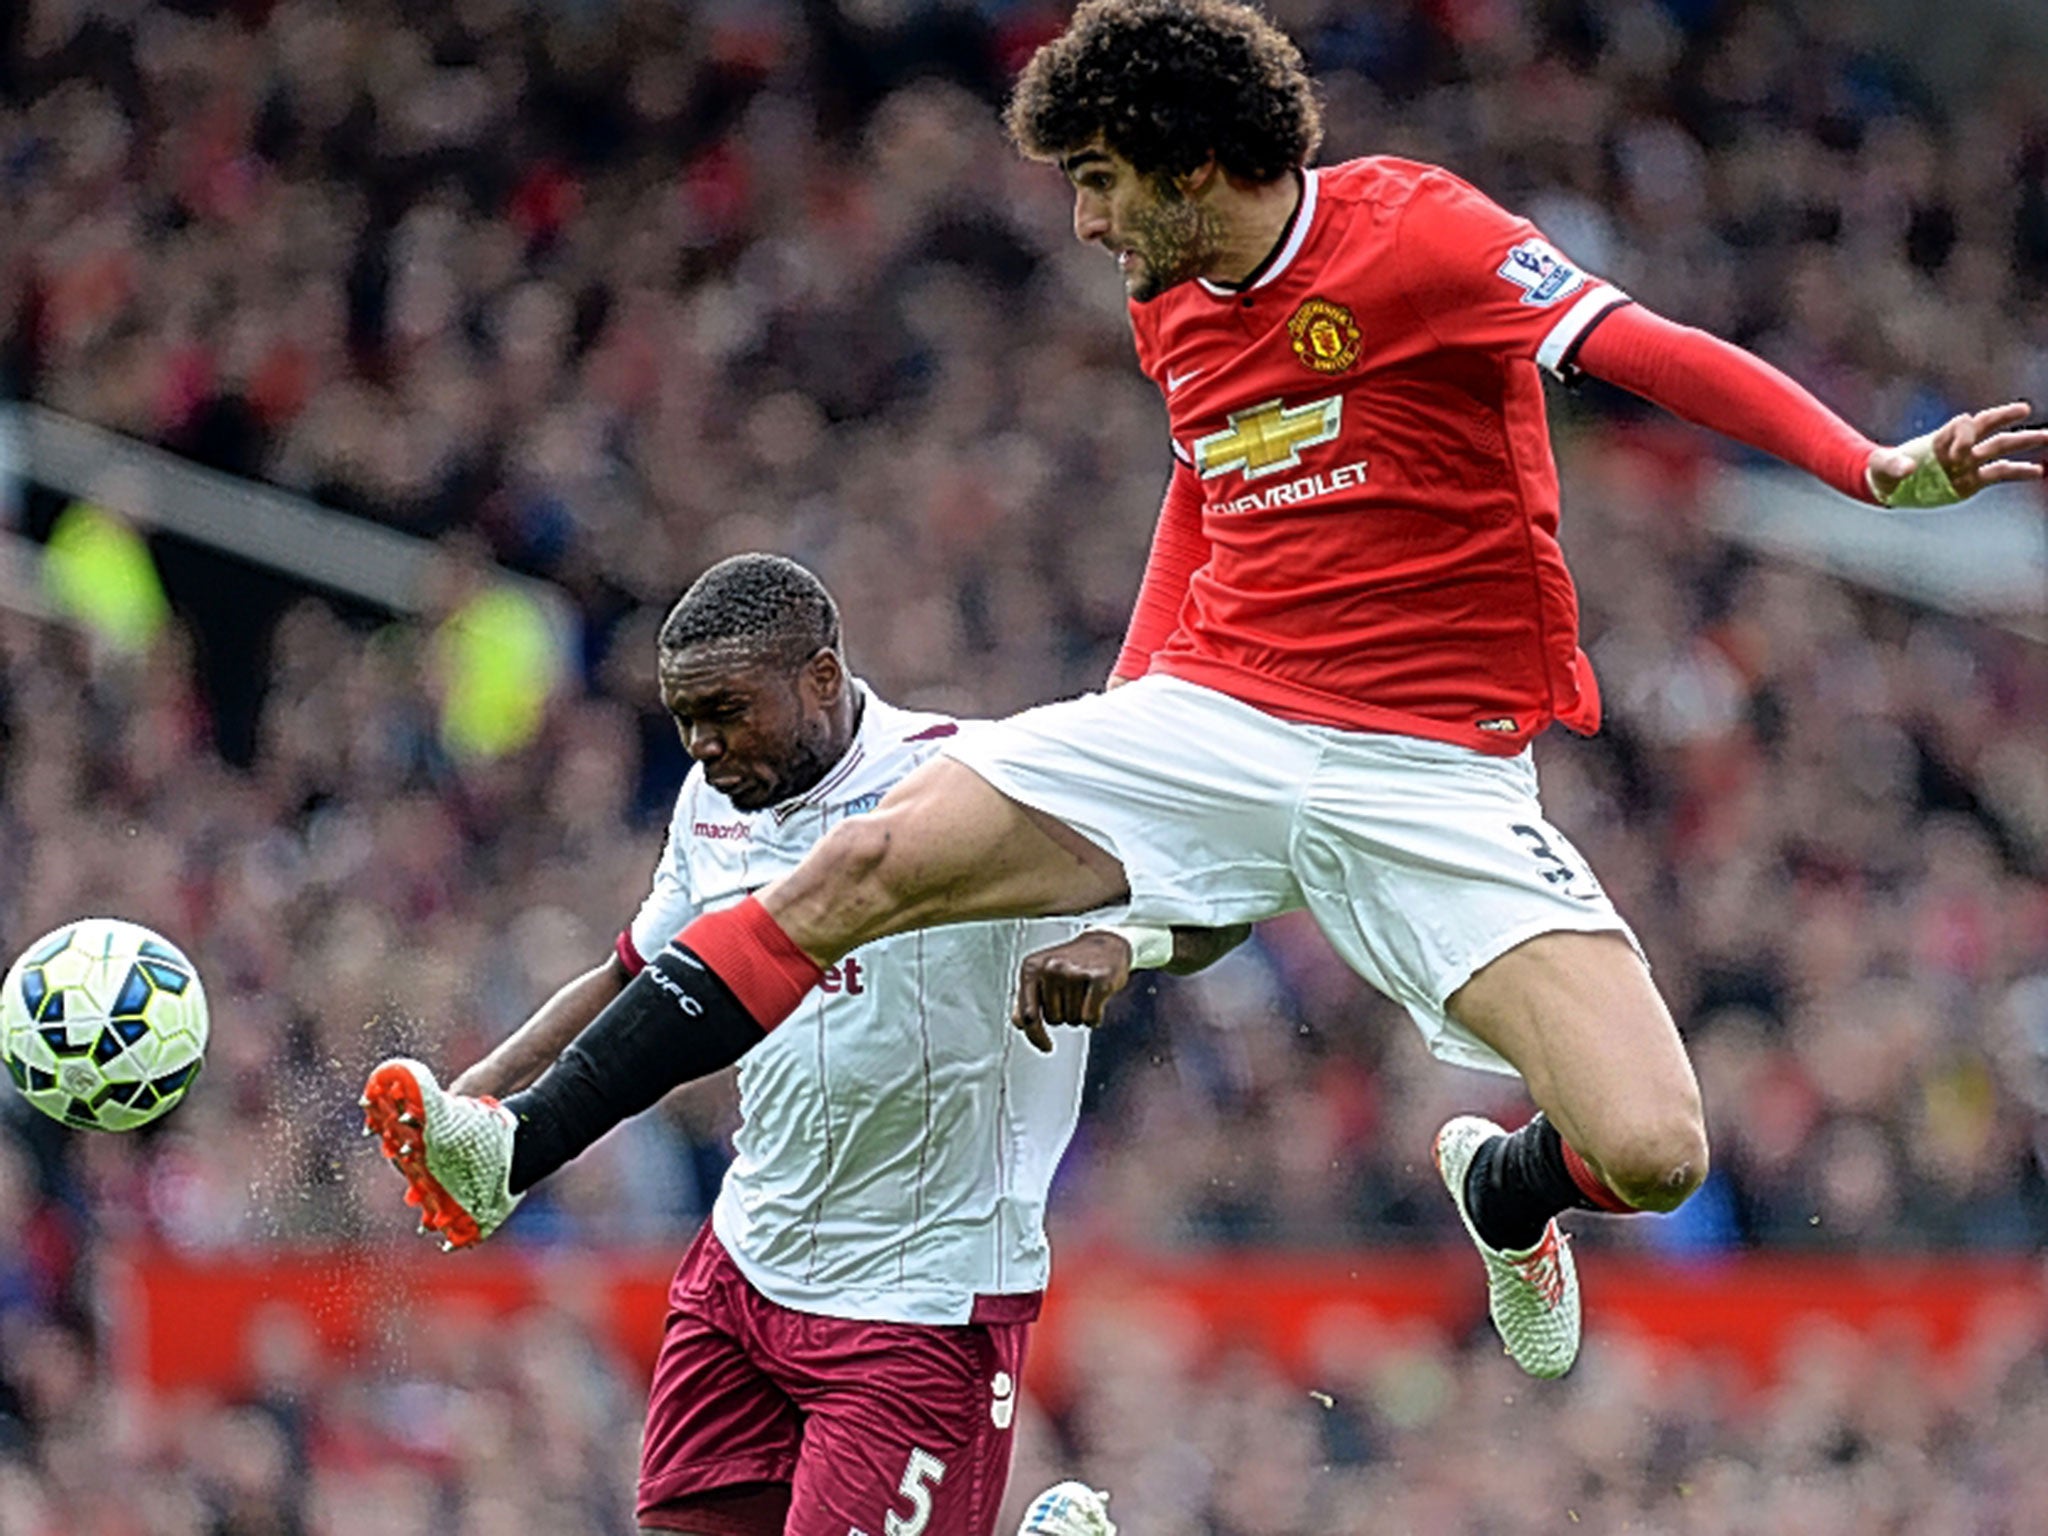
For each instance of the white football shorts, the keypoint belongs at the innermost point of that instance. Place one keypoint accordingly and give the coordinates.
(1420, 860)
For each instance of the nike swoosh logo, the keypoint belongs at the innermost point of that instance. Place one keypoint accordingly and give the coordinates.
(1175, 380)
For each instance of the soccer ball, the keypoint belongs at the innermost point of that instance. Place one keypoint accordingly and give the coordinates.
(103, 1024)
(1068, 1509)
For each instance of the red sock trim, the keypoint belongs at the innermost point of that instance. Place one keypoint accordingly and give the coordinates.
(751, 954)
(1591, 1185)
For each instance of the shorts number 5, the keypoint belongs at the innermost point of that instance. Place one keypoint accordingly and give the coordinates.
(919, 1474)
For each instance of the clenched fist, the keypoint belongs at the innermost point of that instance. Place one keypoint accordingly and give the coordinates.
(1070, 983)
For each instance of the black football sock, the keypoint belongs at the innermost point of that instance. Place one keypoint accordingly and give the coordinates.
(1517, 1183)
(674, 1023)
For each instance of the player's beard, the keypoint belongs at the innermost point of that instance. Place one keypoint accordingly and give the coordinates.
(1174, 239)
(800, 769)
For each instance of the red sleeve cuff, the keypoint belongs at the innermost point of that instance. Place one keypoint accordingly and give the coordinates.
(629, 957)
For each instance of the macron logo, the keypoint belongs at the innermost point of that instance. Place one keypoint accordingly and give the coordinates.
(722, 831)
(1003, 1405)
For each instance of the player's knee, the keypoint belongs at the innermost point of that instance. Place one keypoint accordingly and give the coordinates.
(1657, 1161)
(854, 857)
(869, 867)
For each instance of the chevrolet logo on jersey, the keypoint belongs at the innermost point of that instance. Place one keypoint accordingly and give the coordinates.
(1268, 438)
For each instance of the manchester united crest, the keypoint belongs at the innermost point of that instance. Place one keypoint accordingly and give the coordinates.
(1325, 336)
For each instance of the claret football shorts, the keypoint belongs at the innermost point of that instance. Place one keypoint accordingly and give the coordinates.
(1420, 860)
(765, 1418)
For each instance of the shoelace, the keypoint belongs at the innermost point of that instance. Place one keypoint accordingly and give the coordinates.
(1542, 1268)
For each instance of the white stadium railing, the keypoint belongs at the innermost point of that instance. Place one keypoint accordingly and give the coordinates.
(1987, 559)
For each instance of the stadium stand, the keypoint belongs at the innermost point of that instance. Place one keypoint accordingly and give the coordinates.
(603, 292)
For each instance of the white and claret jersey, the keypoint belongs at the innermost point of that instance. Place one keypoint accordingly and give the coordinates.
(898, 1137)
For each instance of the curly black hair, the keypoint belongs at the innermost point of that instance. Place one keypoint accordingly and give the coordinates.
(1168, 83)
(773, 606)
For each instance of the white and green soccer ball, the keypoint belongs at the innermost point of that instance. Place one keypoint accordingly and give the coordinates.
(103, 1024)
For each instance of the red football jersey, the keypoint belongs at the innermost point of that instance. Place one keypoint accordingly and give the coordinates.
(1365, 424)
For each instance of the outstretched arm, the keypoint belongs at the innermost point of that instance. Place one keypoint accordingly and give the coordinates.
(1179, 549)
(1071, 983)
(532, 1048)
(1718, 385)
(656, 1034)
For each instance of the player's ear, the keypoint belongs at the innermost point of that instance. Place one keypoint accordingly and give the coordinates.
(1192, 184)
(824, 677)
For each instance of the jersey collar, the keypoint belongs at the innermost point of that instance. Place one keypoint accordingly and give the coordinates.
(849, 762)
(1282, 256)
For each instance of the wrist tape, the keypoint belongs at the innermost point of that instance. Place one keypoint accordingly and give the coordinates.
(1928, 485)
(1151, 948)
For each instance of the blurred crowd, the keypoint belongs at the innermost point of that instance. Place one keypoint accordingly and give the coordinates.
(525, 1427)
(624, 285)
(609, 290)
(1399, 1434)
